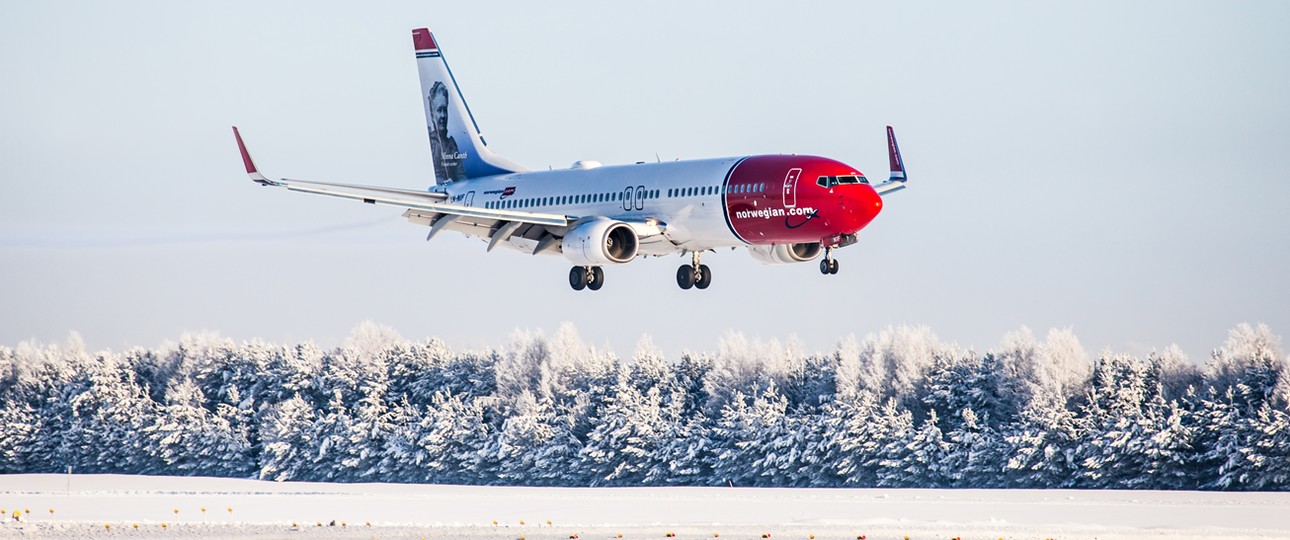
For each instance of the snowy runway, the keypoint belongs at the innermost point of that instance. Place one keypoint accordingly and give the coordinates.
(111, 505)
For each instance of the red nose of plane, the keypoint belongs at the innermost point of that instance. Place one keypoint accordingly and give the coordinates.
(862, 204)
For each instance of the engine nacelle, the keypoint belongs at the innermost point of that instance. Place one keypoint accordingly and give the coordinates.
(785, 253)
(600, 242)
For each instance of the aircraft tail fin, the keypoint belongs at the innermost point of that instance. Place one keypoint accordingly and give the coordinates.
(458, 149)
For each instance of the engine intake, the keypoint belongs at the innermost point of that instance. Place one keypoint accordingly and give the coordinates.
(785, 253)
(600, 242)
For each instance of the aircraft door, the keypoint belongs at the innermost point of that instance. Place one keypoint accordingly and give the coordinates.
(790, 187)
(470, 198)
(640, 197)
(627, 198)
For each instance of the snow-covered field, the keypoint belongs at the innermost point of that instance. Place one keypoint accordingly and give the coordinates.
(58, 506)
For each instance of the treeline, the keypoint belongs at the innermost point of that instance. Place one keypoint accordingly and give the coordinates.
(896, 409)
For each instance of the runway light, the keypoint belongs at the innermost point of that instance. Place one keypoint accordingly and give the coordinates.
(136, 525)
(51, 511)
(163, 525)
(107, 526)
(521, 522)
(767, 535)
(203, 509)
(176, 511)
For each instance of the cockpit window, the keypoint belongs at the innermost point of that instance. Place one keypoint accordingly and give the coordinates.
(830, 181)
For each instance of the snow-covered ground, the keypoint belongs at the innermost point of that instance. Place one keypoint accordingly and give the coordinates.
(111, 505)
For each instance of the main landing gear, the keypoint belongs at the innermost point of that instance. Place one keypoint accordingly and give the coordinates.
(694, 274)
(828, 265)
(586, 277)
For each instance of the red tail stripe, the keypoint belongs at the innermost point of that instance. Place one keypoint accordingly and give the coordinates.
(423, 40)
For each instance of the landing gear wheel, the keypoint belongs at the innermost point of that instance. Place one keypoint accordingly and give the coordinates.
(825, 266)
(705, 277)
(578, 278)
(833, 266)
(596, 280)
(685, 276)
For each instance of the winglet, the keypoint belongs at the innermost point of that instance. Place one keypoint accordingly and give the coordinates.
(893, 154)
(423, 40)
(246, 161)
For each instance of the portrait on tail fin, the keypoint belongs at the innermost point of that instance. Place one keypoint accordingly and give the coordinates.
(447, 157)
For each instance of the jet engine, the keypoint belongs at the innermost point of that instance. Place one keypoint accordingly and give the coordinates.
(785, 253)
(601, 241)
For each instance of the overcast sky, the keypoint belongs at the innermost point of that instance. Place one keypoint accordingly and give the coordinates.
(1118, 167)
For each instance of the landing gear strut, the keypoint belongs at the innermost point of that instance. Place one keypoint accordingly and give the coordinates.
(586, 277)
(694, 274)
(828, 265)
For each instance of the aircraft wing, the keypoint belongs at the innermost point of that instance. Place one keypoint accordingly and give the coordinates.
(897, 180)
(429, 208)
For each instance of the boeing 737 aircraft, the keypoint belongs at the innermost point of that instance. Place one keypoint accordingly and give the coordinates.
(782, 208)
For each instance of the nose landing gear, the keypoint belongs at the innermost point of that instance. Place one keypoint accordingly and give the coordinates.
(586, 277)
(694, 274)
(828, 265)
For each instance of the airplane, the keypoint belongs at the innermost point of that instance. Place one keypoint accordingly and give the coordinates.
(782, 208)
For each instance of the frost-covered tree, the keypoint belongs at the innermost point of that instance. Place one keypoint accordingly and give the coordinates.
(649, 368)
(844, 440)
(894, 362)
(916, 458)
(1176, 374)
(624, 436)
(1058, 367)
(535, 446)
(17, 430)
(1252, 357)
(975, 456)
(758, 442)
(1131, 437)
(896, 409)
(289, 441)
(967, 381)
(1042, 444)
(186, 439)
(446, 443)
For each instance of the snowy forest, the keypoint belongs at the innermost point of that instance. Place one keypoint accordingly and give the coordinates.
(897, 408)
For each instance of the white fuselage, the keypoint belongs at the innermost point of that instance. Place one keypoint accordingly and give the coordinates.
(685, 197)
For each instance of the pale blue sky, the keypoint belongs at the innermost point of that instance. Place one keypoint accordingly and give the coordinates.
(1118, 167)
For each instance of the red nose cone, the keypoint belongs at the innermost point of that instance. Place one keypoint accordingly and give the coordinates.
(863, 204)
